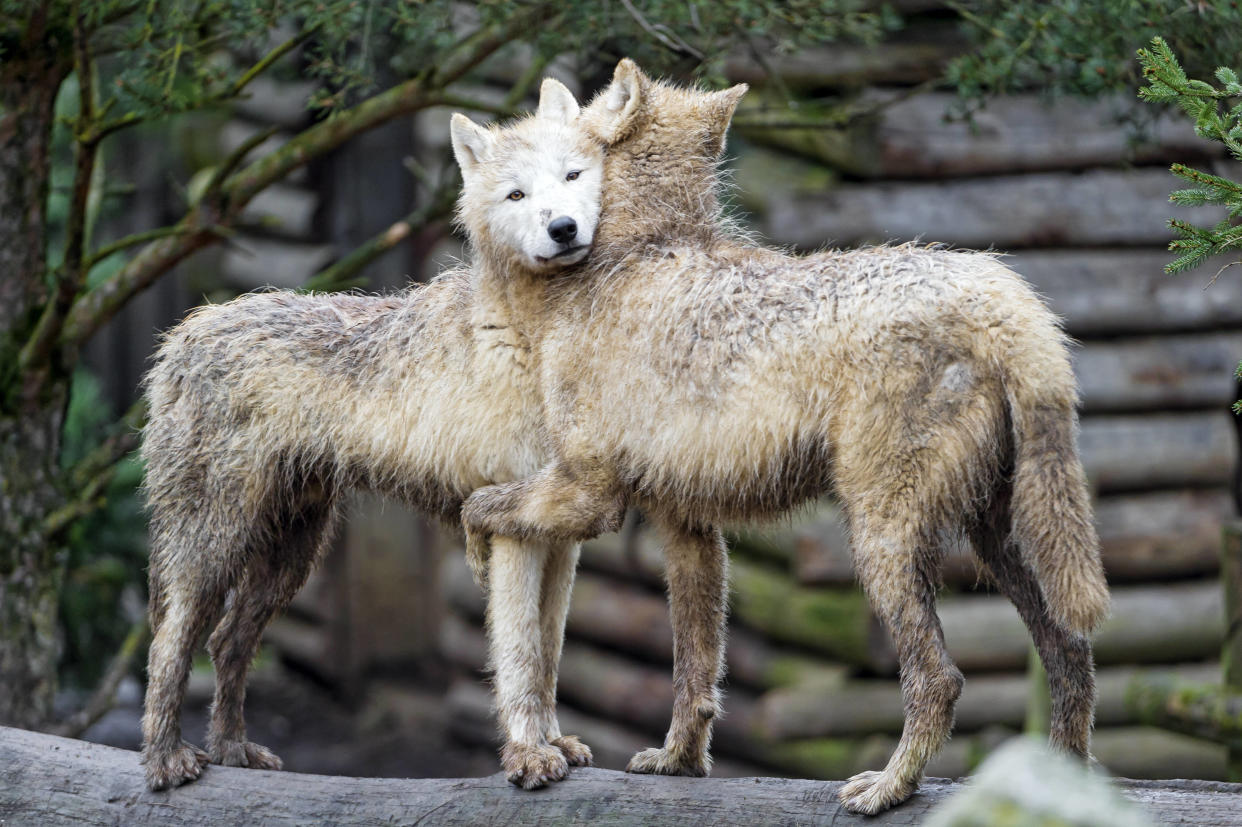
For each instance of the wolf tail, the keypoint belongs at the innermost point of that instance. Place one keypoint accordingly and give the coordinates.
(1051, 508)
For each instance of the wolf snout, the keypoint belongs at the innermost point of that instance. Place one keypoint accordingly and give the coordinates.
(563, 230)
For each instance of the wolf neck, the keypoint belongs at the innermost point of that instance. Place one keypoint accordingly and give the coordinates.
(507, 295)
(650, 201)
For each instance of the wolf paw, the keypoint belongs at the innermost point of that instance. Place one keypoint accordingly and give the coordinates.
(874, 792)
(245, 754)
(166, 769)
(576, 753)
(660, 761)
(531, 766)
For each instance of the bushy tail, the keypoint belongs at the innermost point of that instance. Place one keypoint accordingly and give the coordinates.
(1051, 506)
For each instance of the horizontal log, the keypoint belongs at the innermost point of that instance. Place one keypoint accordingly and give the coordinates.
(261, 262)
(282, 210)
(598, 611)
(1202, 708)
(1151, 373)
(1127, 453)
(236, 132)
(1134, 752)
(50, 780)
(1148, 624)
(618, 688)
(870, 706)
(1162, 535)
(1105, 292)
(910, 57)
(1094, 208)
(834, 622)
(1147, 536)
(280, 102)
(1016, 133)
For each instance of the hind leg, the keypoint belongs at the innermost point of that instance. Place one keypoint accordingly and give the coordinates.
(1066, 656)
(894, 563)
(270, 581)
(558, 582)
(186, 604)
(698, 591)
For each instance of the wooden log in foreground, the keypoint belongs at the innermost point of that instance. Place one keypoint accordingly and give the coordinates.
(50, 780)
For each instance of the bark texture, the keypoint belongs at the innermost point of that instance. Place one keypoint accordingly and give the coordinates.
(49, 780)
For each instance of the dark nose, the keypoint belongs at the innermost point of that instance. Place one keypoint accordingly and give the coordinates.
(563, 229)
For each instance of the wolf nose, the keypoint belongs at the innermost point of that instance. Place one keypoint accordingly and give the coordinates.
(563, 229)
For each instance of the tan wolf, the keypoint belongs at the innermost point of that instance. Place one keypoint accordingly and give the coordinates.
(267, 410)
(708, 380)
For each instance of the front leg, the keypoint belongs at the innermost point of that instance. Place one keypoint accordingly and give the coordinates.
(558, 582)
(518, 663)
(698, 592)
(559, 504)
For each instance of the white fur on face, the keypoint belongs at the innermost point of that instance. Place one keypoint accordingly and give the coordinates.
(541, 173)
(535, 159)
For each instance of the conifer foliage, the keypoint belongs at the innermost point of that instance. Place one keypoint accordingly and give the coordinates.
(1209, 107)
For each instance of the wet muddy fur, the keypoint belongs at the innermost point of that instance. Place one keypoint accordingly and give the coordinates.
(705, 379)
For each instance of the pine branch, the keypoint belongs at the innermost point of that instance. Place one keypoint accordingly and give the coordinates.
(202, 224)
(1167, 82)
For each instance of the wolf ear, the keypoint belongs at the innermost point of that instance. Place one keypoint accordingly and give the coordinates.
(720, 109)
(616, 109)
(556, 102)
(471, 142)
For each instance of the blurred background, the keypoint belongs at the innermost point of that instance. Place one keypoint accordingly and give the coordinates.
(1008, 126)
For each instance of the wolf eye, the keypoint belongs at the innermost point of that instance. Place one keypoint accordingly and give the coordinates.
(573, 176)
(516, 195)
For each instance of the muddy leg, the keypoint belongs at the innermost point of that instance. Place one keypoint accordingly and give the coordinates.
(1066, 656)
(698, 591)
(515, 636)
(270, 582)
(187, 606)
(893, 563)
(558, 582)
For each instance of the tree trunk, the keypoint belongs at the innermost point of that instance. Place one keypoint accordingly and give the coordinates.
(30, 76)
(30, 566)
(31, 406)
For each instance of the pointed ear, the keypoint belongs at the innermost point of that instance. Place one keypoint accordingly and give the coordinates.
(720, 109)
(556, 102)
(616, 109)
(471, 142)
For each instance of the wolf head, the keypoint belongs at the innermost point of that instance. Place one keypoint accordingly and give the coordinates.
(531, 190)
(665, 143)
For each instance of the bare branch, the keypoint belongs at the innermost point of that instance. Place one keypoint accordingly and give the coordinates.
(340, 275)
(202, 225)
(70, 277)
(87, 480)
(670, 41)
(129, 241)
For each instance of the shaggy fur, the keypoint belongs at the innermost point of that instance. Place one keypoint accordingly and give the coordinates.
(705, 380)
(267, 410)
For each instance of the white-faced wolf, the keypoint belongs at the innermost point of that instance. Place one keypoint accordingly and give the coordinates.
(706, 380)
(267, 410)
